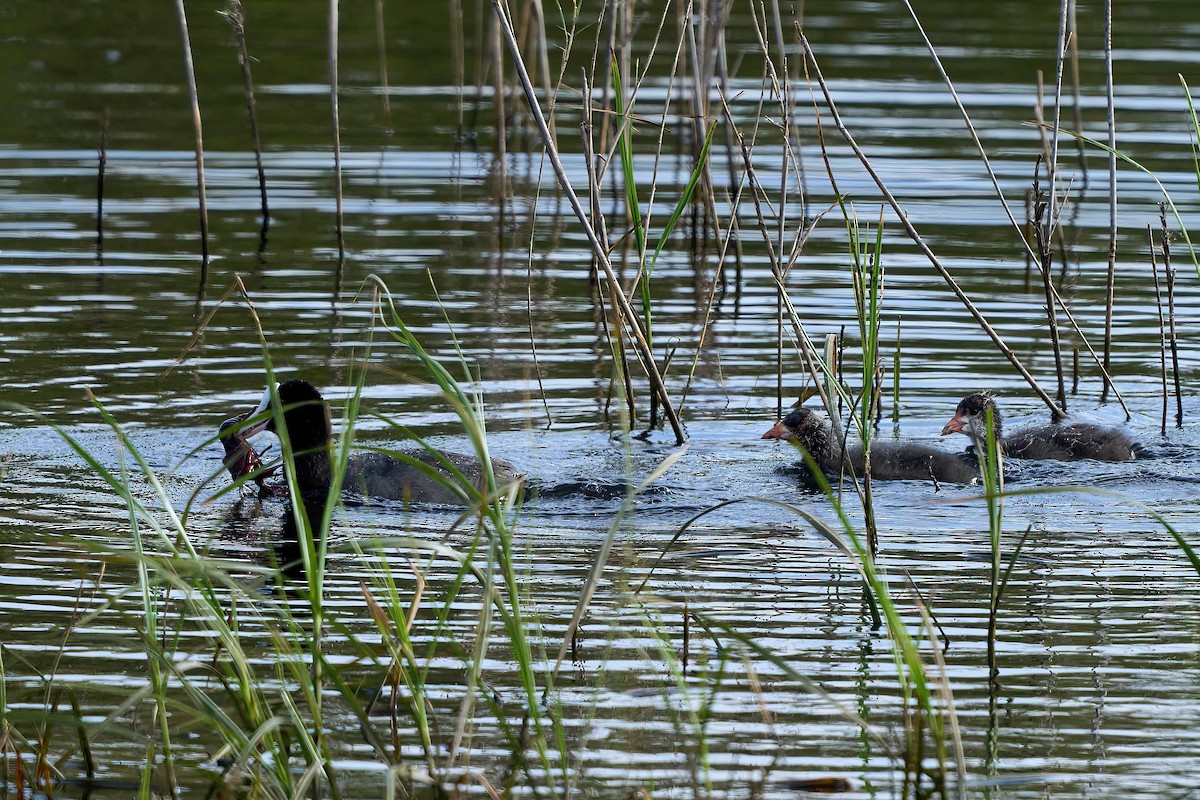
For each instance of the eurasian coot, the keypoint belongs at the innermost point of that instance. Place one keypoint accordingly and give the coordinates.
(310, 432)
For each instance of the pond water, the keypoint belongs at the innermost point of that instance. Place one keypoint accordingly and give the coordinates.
(1097, 684)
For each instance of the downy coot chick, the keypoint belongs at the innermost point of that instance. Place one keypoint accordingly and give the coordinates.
(890, 461)
(1069, 441)
(310, 432)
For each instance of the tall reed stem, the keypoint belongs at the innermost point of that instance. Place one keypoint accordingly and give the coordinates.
(198, 131)
(1111, 283)
(339, 220)
(237, 20)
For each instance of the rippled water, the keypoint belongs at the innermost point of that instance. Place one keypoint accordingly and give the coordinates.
(1097, 684)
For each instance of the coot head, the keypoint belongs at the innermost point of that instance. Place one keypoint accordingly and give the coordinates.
(971, 417)
(309, 431)
(305, 415)
(800, 425)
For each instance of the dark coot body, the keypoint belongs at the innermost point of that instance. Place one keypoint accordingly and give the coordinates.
(310, 431)
(890, 461)
(1064, 441)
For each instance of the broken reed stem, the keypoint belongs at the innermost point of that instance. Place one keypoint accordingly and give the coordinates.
(1111, 284)
(624, 309)
(911, 230)
(381, 46)
(337, 135)
(1169, 274)
(189, 69)
(237, 20)
(1162, 327)
(101, 165)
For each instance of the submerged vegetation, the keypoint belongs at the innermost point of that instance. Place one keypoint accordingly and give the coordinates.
(295, 683)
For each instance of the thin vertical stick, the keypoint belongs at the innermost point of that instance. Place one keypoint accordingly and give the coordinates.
(1045, 208)
(1162, 328)
(1169, 274)
(498, 93)
(539, 26)
(198, 128)
(337, 133)
(381, 46)
(237, 20)
(1076, 103)
(102, 164)
(734, 179)
(1111, 285)
(1052, 164)
(459, 59)
(896, 377)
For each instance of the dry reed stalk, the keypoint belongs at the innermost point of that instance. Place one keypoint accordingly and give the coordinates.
(538, 19)
(625, 309)
(727, 130)
(236, 17)
(1169, 274)
(499, 90)
(1074, 371)
(458, 60)
(896, 377)
(1042, 208)
(1111, 283)
(1027, 236)
(911, 230)
(381, 46)
(101, 165)
(1052, 163)
(1162, 328)
(339, 221)
(189, 69)
(598, 220)
(1076, 104)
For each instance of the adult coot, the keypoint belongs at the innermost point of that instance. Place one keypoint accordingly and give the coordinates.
(310, 432)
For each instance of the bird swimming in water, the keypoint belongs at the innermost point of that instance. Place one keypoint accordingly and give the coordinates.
(890, 461)
(1059, 441)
